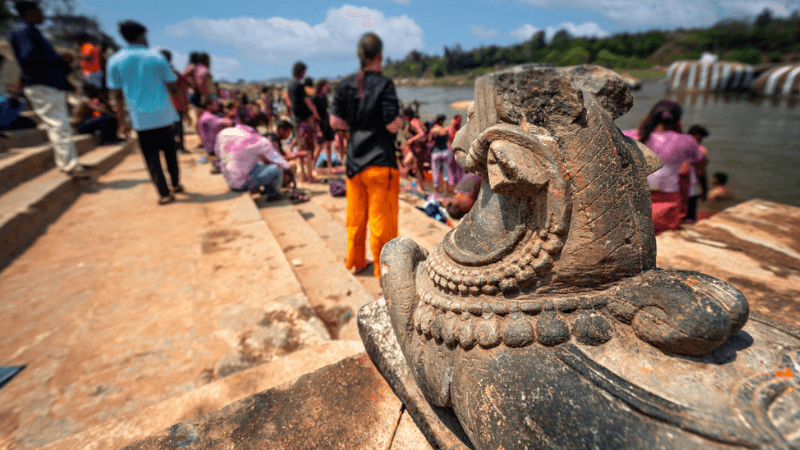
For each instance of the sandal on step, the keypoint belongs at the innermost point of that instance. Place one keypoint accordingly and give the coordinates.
(166, 200)
(297, 197)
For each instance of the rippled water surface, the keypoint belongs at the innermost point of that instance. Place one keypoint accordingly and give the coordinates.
(757, 143)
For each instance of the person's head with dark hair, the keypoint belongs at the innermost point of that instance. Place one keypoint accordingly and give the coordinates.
(29, 12)
(299, 70)
(721, 178)
(82, 37)
(284, 128)
(408, 114)
(370, 48)
(698, 129)
(211, 106)
(167, 55)
(321, 84)
(204, 59)
(699, 132)
(133, 32)
(194, 58)
(456, 210)
(308, 82)
(91, 91)
(440, 119)
(665, 115)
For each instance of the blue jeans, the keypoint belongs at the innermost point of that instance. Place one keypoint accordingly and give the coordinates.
(270, 176)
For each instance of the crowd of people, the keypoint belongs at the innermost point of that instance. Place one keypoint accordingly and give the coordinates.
(261, 141)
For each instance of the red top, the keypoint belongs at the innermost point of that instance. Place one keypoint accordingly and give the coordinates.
(92, 64)
(183, 86)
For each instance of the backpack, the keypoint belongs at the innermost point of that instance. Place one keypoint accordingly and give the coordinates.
(338, 187)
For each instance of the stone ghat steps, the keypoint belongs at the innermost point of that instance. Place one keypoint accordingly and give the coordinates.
(123, 430)
(40, 194)
(313, 237)
(334, 293)
(21, 163)
(313, 241)
(345, 405)
(23, 138)
(194, 312)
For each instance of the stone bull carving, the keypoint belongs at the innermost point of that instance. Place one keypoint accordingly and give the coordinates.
(541, 321)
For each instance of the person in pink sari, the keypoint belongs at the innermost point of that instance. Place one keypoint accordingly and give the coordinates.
(661, 132)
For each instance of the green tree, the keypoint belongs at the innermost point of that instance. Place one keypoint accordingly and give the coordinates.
(764, 19)
(575, 56)
(560, 39)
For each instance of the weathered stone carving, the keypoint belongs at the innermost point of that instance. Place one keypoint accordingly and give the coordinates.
(541, 321)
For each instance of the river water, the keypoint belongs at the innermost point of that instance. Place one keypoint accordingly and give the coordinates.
(757, 143)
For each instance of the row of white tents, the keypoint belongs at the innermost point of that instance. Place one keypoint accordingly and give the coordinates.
(733, 76)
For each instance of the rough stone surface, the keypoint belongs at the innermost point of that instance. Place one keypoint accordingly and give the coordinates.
(541, 321)
(346, 405)
(334, 293)
(121, 431)
(755, 246)
(123, 304)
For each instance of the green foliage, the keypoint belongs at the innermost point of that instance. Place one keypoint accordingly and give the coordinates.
(775, 56)
(767, 38)
(575, 56)
(749, 55)
(608, 59)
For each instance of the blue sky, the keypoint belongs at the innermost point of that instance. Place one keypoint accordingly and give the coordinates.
(261, 40)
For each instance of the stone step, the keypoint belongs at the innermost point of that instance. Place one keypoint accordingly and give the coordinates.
(23, 138)
(334, 293)
(21, 164)
(128, 428)
(141, 303)
(334, 234)
(28, 208)
(347, 404)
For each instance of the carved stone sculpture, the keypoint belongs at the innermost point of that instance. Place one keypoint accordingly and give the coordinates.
(541, 321)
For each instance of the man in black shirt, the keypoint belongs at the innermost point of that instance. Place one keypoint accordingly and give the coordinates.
(306, 117)
(366, 103)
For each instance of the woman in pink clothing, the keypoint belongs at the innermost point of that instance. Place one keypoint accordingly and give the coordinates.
(661, 132)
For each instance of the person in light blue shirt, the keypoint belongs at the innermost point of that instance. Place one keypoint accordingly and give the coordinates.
(144, 81)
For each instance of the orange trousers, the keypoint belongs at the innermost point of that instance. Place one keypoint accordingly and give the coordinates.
(372, 197)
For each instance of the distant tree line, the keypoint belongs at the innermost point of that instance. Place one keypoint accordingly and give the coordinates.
(766, 39)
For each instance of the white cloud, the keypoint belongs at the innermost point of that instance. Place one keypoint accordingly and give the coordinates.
(680, 13)
(524, 32)
(276, 40)
(779, 9)
(586, 29)
(482, 31)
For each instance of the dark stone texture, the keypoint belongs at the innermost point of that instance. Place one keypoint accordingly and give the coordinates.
(343, 406)
(541, 321)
